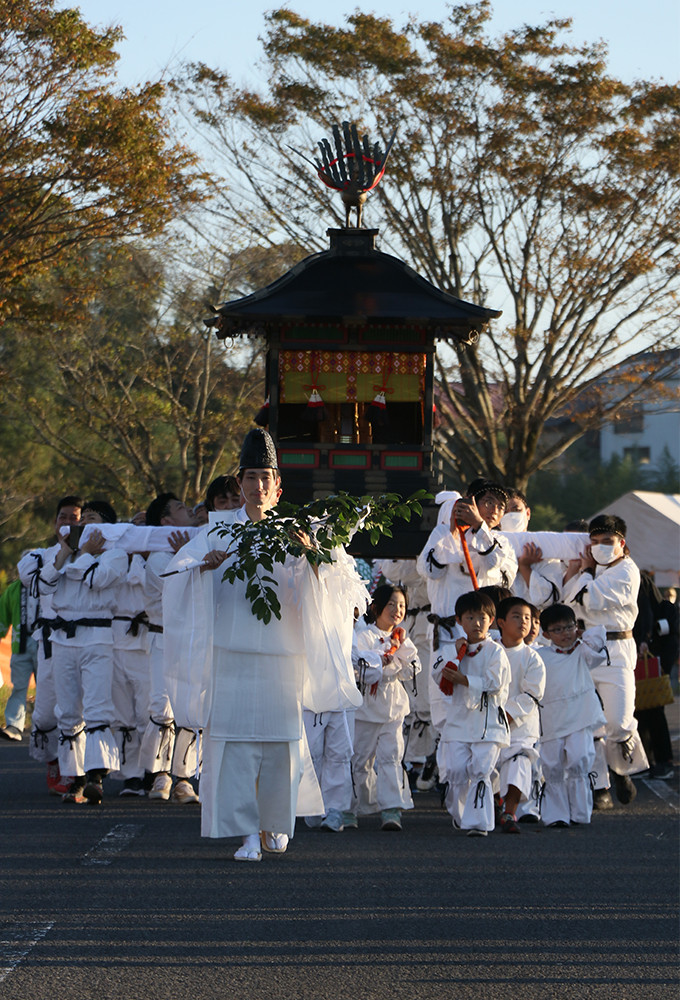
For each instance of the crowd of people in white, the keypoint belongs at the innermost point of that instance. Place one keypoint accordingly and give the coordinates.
(498, 666)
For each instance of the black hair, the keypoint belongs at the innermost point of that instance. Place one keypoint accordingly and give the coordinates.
(381, 596)
(607, 524)
(517, 494)
(555, 614)
(101, 507)
(475, 600)
(69, 501)
(478, 487)
(535, 613)
(158, 508)
(220, 487)
(496, 593)
(580, 524)
(508, 603)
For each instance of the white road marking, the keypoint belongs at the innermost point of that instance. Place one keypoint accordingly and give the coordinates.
(663, 790)
(13, 950)
(112, 844)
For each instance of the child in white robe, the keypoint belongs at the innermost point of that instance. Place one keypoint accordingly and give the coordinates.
(380, 781)
(476, 728)
(527, 683)
(570, 712)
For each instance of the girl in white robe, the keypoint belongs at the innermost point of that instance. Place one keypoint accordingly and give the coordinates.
(381, 784)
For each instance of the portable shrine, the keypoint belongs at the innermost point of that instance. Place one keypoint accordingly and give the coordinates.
(351, 335)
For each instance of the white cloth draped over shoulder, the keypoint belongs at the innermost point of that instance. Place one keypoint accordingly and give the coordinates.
(320, 632)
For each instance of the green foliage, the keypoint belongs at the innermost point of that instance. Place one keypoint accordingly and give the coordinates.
(311, 531)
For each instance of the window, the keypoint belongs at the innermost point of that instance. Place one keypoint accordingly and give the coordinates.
(641, 456)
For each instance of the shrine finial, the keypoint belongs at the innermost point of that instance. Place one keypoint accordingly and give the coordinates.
(353, 167)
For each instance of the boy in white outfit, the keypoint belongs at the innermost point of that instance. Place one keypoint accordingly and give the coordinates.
(82, 584)
(476, 727)
(527, 683)
(602, 588)
(570, 712)
(44, 733)
(443, 564)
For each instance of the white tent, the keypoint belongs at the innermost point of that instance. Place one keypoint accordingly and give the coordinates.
(653, 537)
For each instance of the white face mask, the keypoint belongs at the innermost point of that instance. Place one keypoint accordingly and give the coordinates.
(603, 554)
(514, 520)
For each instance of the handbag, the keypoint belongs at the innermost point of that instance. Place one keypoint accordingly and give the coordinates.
(652, 686)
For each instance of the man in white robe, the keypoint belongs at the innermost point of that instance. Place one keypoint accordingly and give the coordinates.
(247, 677)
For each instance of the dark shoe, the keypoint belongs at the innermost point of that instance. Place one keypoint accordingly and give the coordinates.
(559, 824)
(93, 791)
(528, 818)
(133, 786)
(662, 772)
(427, 778)
(509, 824)
(74, 794)
(602, 799)
(625, 789)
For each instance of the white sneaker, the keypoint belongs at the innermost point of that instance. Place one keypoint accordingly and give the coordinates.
(162, 786)
(183, 792)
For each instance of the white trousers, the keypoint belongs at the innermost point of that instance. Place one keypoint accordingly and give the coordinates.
(158, 741)
(330, 736)
(44, 744)
(567, 763)
(248, 787)
(130, 691)
(469, 796)
(380, 781)
(82, 681)
(514, 768)
(615, 684)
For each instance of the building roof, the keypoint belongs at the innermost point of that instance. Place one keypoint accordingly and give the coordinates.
(353, 283)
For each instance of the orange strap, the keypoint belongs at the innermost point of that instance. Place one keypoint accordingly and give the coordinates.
(462, 528)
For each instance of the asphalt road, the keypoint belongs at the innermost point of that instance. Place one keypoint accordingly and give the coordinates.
(127, 902)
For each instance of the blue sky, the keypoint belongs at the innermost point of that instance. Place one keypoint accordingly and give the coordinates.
(643, 38)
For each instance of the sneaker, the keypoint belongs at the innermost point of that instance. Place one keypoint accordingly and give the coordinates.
(10, 733)
(350, 821)
(133, 786)
(93, 790)
(391, 819)
(162, 786)
(559, 824)
(509, 823)
(625, 789)
(528, 818)
(662, 772)
(477, 833)
(183, 792)
(74, 794)
(602, 799)
(56, 785)
(332, 821)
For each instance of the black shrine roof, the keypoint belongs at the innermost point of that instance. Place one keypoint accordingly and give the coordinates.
(352, 282)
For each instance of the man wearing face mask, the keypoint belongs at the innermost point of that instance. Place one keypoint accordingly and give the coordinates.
(602, 586)
(538, 580)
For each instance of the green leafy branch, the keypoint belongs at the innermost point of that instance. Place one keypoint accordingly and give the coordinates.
(311, 531)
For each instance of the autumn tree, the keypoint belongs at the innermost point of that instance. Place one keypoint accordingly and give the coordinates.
(524, 177)
(80, 158)
(122, 393)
